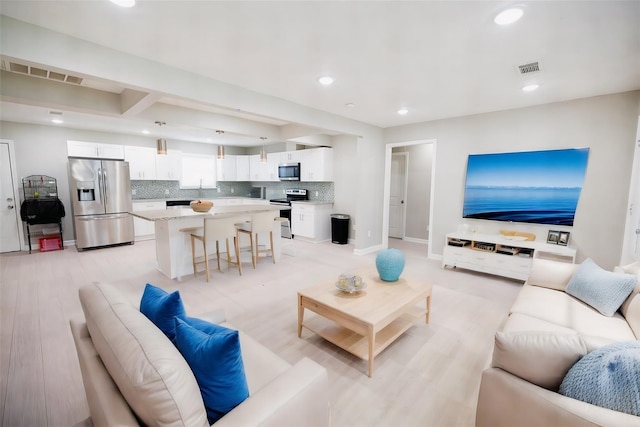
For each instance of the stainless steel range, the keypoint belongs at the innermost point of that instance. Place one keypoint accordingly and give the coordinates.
(293, 194)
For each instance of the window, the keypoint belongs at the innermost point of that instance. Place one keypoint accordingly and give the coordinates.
(198, 171)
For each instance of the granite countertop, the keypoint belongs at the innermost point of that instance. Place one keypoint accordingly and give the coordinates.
(213, 199)
(312, 202)
(170, 214)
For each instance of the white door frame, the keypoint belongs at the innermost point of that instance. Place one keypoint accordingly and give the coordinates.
(632, 225)
(405, 157)
(16, 198)
(387, 188)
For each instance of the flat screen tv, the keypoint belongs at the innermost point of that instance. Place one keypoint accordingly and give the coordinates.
(541, 187)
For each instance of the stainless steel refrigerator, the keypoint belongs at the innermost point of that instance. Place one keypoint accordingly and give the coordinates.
(101, 202)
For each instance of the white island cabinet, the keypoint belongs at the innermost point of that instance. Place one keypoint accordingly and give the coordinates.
(143, 229)
(173, 243)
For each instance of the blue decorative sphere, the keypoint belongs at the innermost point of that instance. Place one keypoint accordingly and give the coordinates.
(390, 263)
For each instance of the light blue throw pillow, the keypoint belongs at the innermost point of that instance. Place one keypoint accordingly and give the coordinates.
(161, 308)
(601, 289)
(608, 377)
(213, 354)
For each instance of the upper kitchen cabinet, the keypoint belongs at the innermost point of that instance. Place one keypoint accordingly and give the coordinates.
(142, 162)
(226, 169)
(291, 156)
(316, 164)
(198, 171)
(264, 171)
(169, 166)
(95, 150)
(243, 172)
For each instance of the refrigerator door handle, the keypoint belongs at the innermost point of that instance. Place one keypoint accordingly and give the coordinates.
(104, 181)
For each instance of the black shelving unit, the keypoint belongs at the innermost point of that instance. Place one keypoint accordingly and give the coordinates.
(41, 206)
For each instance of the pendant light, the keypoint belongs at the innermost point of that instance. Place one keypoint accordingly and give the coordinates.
(220, 147)
(161, 143)
(263, 154)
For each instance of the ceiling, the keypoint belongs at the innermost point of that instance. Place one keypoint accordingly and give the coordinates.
(437, 59)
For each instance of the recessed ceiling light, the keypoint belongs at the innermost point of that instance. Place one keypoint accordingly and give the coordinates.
(124, 3)
(530, 88)
(57, 121)
(403, 111)
(325, 80)
(350, 105)
(146, 132)
(508, 16)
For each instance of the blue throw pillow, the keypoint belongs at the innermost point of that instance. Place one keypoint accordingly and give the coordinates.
(601, 289)
(161, 308)
(607, 377)
(213, 353)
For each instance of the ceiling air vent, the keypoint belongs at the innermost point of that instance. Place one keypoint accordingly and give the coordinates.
(531, 67)
(42, 73)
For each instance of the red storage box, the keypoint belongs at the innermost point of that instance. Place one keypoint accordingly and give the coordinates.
(50, 244)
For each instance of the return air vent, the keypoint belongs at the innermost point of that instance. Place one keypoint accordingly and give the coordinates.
(531, 67)
(16, 67)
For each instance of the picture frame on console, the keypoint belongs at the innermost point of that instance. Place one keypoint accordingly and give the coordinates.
(563, 238)
(553, 237)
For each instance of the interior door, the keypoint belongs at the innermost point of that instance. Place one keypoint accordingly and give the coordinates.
(9, 218)
(631, 244)
(397, 195)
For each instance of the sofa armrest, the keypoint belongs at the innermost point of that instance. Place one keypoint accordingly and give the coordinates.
(106, 405)
(551, 274)
(300, 395)
(506, 400)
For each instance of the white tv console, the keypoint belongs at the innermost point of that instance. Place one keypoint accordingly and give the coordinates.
(500, 255)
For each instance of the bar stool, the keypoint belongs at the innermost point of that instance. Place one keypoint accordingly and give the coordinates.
(261, 222)
(216, 229)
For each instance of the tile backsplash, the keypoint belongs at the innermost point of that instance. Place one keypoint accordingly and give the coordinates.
(318, 191)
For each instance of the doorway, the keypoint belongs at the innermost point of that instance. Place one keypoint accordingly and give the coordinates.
(397, 195)
(421, 216)
(631, 241)
(10, 223)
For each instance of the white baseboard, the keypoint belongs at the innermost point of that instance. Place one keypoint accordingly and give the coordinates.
(414, 240)
(368, 250)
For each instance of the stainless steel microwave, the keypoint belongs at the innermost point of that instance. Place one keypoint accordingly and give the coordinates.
(289, 172)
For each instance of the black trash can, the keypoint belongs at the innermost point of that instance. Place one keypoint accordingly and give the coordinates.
(340, 229)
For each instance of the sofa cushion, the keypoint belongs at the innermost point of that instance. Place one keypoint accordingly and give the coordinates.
(603, 290)
(562, 309)
(551, 274)
(213, 353)
(542, 358)
(161, 308)
(608, 377)
(148, 369)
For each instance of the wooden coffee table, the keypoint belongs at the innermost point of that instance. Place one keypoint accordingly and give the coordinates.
(366, 322)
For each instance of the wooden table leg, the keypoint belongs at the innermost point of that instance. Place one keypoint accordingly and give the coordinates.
(428, 308)
(300, 316)
(371, 337)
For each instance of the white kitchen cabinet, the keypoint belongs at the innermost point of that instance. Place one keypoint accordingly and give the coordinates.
(291, 156)
(242, 168)
(316, 164)
(95, 150)
(311, 221)
(198, 171)
(142, 162)
(143, 229)
(273, 160)
(169, 166)
(226, 168)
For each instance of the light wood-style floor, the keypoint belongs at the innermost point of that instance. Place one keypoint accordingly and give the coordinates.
(428, 377)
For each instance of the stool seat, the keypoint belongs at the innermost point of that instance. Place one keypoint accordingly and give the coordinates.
(261, 222)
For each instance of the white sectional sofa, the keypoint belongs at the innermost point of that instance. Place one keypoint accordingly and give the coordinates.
(133, 374)
(547, 331)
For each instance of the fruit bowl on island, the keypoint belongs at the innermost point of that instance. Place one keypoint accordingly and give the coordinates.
(201, 205)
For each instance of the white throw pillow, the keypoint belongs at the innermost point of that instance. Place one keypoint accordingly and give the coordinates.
(542, 358)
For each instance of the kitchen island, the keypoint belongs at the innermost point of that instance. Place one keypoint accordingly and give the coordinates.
(173, 246)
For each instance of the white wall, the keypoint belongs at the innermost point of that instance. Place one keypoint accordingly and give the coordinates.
(605, 124)
(345, 176)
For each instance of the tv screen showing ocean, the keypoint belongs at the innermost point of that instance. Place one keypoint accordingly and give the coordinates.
(540, 205)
